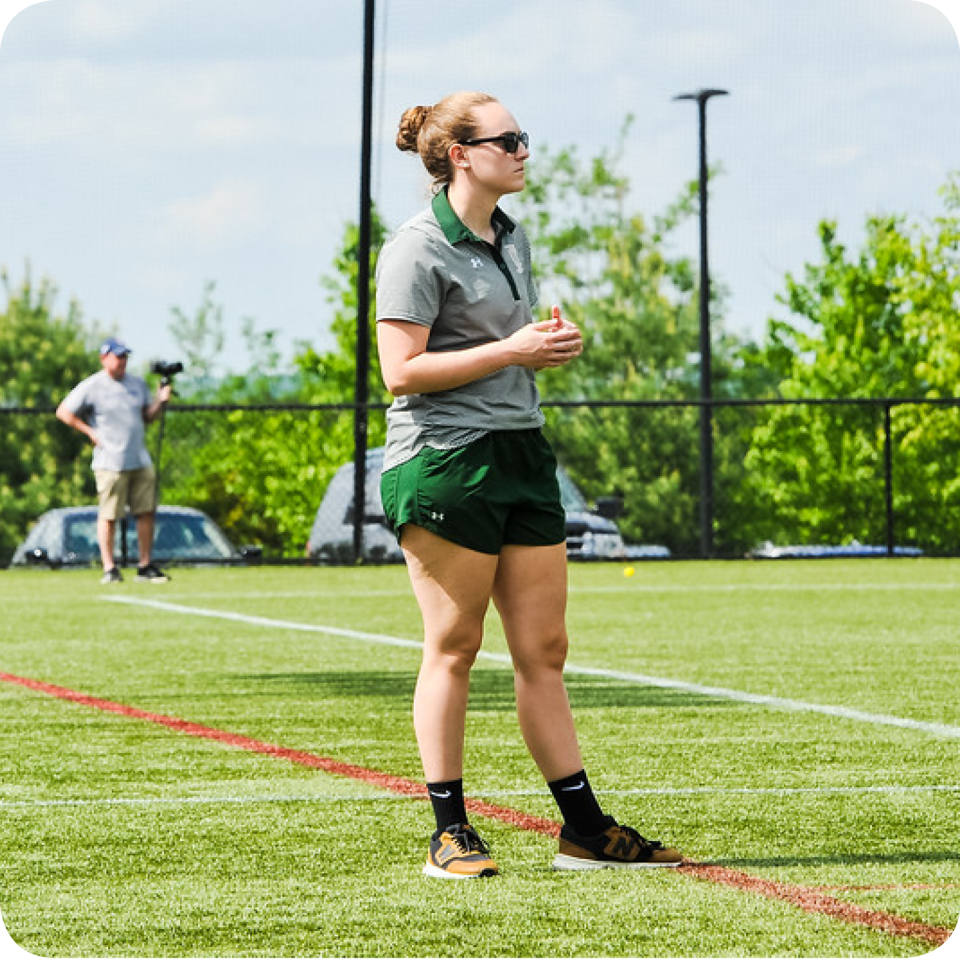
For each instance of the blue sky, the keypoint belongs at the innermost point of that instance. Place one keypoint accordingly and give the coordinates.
(150, 146)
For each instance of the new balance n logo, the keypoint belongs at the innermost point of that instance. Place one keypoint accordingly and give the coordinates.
(622, 847)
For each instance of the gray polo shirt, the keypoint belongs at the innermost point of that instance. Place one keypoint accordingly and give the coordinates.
(437, 273)
(114, 408)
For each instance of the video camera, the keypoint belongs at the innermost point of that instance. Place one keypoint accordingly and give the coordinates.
(166, 371)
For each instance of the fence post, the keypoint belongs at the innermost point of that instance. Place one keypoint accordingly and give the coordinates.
(888, 474)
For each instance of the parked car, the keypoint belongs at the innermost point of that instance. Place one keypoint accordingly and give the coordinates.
(68, 537)
(591, 534)
(770, 551)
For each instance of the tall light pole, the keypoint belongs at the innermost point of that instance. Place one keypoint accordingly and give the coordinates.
(706, 388)
(362, 377)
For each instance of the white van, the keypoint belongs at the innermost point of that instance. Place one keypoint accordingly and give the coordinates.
(591, 534)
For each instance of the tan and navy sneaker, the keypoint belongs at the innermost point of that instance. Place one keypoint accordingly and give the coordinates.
(617, 847)
(459, 853)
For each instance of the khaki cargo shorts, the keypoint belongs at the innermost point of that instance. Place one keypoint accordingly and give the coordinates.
(131, 488)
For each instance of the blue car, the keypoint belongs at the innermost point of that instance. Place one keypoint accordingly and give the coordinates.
(68, 537)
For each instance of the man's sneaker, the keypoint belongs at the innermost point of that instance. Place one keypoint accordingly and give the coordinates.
(617, 847)
(112, 575)
(150, 574)
(459, 853)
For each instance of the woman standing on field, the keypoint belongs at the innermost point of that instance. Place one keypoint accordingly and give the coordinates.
(469, 482)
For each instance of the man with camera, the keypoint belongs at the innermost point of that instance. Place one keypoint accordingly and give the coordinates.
(112, 408)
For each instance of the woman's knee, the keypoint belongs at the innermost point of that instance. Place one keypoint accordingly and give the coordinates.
(453, 651)
(548, 654)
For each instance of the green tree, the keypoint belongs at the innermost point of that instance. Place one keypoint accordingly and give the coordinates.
(43, 355)
(201, 337)
(610, 270)
(329, 376)
(877, 322)
(261, 473)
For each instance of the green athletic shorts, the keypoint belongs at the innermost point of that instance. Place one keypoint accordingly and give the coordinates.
(499, 490)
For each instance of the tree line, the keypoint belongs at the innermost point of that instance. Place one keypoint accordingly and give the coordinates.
(879, 320)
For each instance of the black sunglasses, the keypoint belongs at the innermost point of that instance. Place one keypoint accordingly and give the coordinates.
(511, 141)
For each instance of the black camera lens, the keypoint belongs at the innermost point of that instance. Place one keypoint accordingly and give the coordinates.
(166, 369)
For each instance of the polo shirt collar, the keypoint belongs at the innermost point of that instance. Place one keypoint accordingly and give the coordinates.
(455, 230)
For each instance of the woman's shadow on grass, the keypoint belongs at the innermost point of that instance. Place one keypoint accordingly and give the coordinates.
(491, 690)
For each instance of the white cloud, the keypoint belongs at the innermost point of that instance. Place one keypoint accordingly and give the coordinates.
(97, 20)
(132, 106)
(233, 209)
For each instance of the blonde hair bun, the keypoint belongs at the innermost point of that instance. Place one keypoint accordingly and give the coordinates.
(411, 123)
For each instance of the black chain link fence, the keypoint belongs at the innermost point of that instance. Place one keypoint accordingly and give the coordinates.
(789, 477)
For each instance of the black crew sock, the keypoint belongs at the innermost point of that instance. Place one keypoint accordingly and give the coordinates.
(578, 805)
(448, 804)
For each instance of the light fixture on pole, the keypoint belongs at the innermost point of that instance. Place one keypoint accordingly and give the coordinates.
(706, 389)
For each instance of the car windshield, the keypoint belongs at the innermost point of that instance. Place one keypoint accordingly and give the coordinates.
(80, 537)
(189, 537)
(177, 536)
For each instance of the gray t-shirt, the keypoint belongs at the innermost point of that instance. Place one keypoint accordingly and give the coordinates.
(114, 408)
(437, 273)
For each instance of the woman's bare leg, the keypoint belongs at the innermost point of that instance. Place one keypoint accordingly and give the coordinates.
(452, 586)
(530, 592)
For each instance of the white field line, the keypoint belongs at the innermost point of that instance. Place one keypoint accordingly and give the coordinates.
(268, 622)
(643, 679)
(486, 794)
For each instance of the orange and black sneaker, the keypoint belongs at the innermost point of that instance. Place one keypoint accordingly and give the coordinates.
(617, 847)
(458, 852)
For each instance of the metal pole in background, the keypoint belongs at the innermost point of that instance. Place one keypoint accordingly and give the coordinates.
(888, 477)
(706, 374)
(362, 382)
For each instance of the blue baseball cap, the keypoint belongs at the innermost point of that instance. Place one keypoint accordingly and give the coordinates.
(115, 347)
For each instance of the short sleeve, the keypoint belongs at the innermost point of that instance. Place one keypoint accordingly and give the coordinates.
(409, 286)
(77, 400)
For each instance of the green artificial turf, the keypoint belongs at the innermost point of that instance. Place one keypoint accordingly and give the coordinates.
(121, 837)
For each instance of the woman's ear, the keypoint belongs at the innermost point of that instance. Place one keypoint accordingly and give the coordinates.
(458, 156)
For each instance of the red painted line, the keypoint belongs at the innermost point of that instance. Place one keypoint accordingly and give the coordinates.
(395, 784)
(806, 898)
(812, 901)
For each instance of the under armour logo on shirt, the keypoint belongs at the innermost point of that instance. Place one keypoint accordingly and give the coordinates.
(476, 262)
